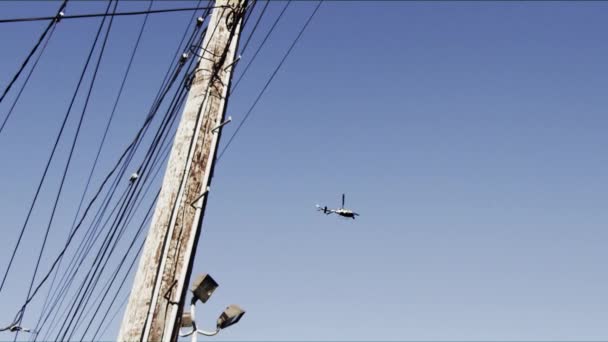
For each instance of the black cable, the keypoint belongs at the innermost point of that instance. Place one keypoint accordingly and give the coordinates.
(22, 312)
(255, 26)
(192, 142)
(76, 304)
(269, 80)
(120, 90)
(93, 15)
(108, 286)
(40, 39)
(27, 78)
(249, 11)
(157, 166)
(152, 112)
(105, 181)
(276, 21)
(71, 271)
(72, 148)
(49, 160)
(74, 321)
(111, 240)
(79, 264)
(84, 215)
(114, 315)
(113, 112)
(91, 202)
(125, 153)
(173, 111)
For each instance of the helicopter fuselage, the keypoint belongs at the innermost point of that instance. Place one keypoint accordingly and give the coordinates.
(345, 213)
(342, 211)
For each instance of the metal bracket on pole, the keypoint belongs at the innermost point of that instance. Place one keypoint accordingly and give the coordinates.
(166, 296)
(238, 58)
(198, 198)
(216, 129)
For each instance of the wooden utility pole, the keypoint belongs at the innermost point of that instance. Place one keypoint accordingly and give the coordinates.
(159, 288)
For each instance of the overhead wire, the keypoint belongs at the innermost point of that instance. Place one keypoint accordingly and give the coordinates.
(190, 149)
(117, 230)
(90, 204)
(59, 135)
(104, 136)
(26, 80)
(135, 141)
(79, 264)
(274, 73)
(270, 31)
(72, 148)
(22, 311)
(54, 21)
(255, 26)
(158, 167)
(71, 235)
(117, 14)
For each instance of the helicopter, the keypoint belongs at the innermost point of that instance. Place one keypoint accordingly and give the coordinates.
(342, 211)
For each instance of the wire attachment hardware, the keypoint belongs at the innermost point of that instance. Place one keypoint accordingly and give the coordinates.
(198, 198)
(199, 21)
(18, 328)
(59, 16)
(238, 58)
(217, 128)
(184, 57)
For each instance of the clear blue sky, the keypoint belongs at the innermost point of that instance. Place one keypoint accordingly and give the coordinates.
(471, 137)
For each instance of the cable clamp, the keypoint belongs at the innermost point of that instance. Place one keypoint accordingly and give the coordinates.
(59, 16)
(184, 57)
(199, 21)
(216, 129)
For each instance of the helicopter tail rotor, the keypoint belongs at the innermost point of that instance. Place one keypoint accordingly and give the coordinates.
(324, 209)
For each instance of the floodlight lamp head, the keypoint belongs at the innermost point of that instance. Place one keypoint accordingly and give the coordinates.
(203, 287)
(230, 316)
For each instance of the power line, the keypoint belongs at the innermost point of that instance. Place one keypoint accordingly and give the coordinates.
(255, 26)
(126, 152)
(95, 238)
(117, 14)
(120, 90)
(29, 56)
(269, 80)
(274, 25)
(107, 251)
(192, 143)
(65, 119)
(27, 78)
(171, 114)
(82, 115)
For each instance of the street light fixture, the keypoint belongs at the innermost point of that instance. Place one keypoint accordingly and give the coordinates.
(202, 289)
(230, 316)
